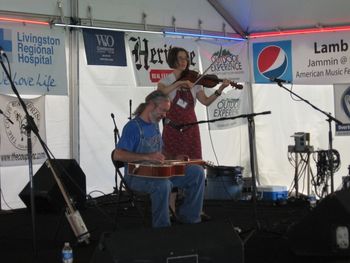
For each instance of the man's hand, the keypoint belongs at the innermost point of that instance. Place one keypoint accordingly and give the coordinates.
(156, 157)
(182, 157)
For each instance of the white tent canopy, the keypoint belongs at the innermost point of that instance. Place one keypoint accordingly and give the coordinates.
(80, 126)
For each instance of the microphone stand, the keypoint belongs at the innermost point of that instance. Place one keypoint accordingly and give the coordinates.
(251, 137)
(7, 118)
(251, 131)
(116, 138)
(31, 126)
(329, 119)
(10, 121)
(73, 217)
(130, 109)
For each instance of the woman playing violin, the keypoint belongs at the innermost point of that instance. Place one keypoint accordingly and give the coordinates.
(183, 94)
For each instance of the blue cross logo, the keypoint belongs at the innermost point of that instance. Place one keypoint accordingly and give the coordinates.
(5, 39)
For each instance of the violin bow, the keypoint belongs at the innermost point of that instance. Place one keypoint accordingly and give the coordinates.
(205, 71)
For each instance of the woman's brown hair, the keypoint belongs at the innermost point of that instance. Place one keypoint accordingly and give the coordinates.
(172, 56)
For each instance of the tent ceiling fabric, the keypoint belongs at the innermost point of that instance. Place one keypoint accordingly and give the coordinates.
(271, 15)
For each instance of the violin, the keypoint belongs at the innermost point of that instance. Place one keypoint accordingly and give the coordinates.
(208, 80)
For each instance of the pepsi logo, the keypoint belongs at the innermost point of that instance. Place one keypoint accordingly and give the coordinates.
(272, 62)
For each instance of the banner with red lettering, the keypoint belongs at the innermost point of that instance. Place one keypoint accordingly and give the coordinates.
(149, 55)
(233, 63)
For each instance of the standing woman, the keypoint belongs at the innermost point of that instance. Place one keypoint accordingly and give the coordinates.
(183, 95)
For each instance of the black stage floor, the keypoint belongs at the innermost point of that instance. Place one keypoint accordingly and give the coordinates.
(263, 233)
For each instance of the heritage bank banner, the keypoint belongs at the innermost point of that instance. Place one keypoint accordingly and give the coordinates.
(37, 59)
(321, 58)
(149, 56)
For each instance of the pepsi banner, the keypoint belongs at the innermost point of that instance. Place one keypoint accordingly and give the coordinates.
(37, 59)
(104, 47)
(232, 64)
(272, 60)
(149, 56)
(321, 58)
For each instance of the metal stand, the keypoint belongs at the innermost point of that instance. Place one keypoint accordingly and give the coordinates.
(10, 121)
(73, 216)
(116, 138)
(330, 118)
(251, 133)
(29, 128)
(302, 158)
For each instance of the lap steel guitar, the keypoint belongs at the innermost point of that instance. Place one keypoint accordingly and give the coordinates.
(161, 170)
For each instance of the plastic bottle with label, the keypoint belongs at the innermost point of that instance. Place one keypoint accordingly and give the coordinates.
(312, 200)
(67, 253)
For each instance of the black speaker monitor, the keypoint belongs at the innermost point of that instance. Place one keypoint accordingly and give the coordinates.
(325, 231)
(47, 195)
(203, 243)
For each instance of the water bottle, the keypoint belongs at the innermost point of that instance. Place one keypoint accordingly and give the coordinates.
(312, 200)
(67, 253)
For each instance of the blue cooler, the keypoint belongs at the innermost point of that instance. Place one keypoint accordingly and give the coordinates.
(223, 183)
(272, 193)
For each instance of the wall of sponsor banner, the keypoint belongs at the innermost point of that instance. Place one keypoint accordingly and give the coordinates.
(116, 71)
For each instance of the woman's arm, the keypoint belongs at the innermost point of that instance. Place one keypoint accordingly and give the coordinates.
(207, 100)
(167, 89)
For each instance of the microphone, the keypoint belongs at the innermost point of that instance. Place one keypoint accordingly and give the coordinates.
(130, 109)
(116, 132)
(238, 86)
(2, 52)
(1, 112)
(172, 124)
(279, 80)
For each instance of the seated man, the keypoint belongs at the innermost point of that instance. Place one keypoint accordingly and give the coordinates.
(141, 141)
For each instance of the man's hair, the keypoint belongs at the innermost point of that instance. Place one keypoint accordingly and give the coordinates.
(172, 56)
(155, 96)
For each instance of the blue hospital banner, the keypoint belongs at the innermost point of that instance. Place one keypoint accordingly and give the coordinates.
(104, 47)
(37, 59)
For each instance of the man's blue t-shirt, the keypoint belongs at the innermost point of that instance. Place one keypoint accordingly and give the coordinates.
(138, 130)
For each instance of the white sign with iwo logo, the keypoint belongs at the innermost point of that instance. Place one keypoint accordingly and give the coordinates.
(13, 123)
(37, 59)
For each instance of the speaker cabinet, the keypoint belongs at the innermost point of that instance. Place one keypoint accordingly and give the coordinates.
(325, 231)
(47, 195)
(204, 242)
